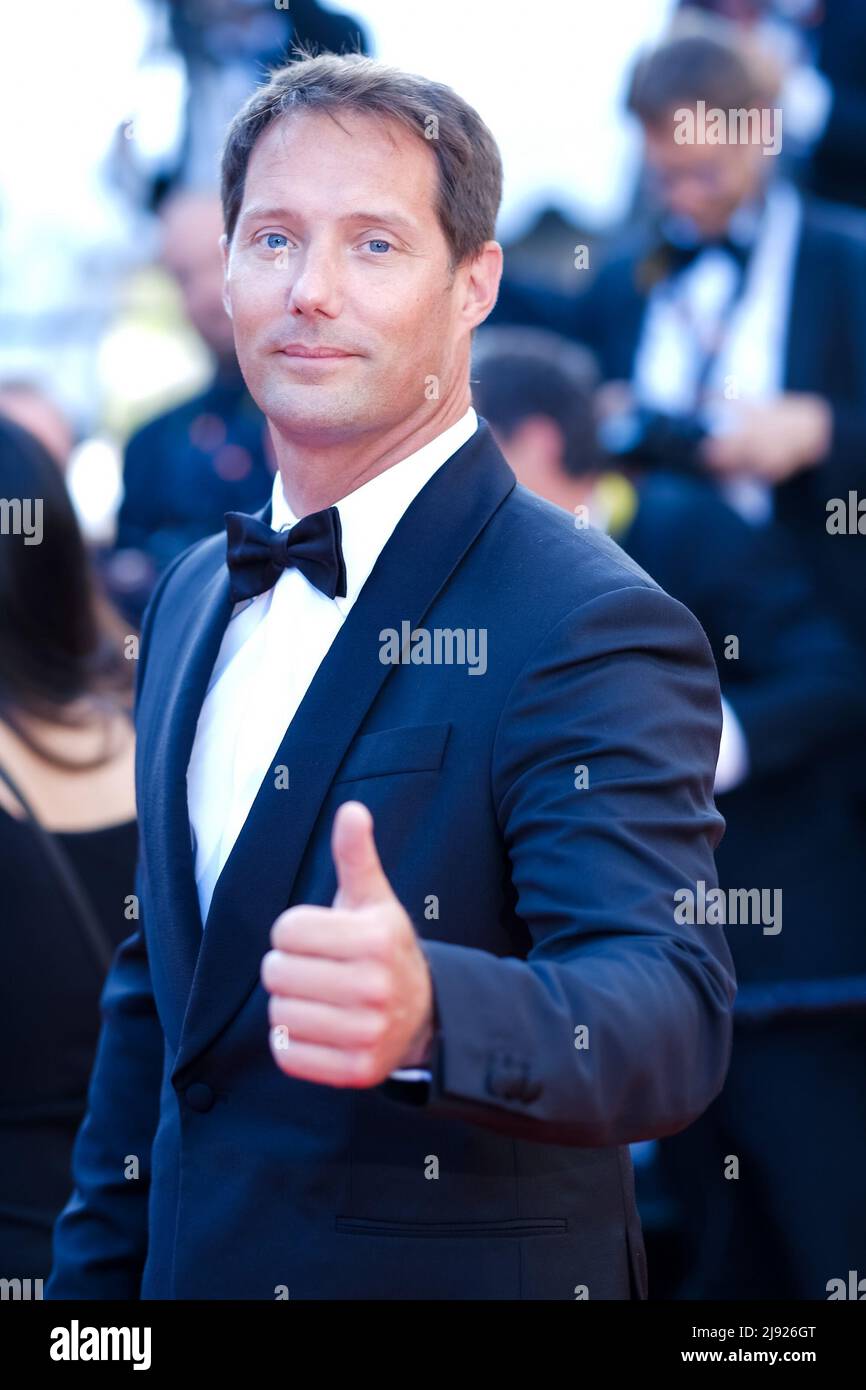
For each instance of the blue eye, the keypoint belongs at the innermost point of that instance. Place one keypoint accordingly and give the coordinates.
(378, 243)
(269, 240)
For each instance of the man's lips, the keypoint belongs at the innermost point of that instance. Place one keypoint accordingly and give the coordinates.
(299, 350)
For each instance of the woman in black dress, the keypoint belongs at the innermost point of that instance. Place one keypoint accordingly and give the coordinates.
(67, 839)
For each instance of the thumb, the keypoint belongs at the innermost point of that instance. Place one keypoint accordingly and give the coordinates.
(361, 879)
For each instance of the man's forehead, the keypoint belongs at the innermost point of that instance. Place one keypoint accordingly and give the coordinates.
(297, 156)
(365, 139)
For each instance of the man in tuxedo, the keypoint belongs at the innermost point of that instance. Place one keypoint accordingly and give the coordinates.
(794, 703)
(421, 771)
(733, 336)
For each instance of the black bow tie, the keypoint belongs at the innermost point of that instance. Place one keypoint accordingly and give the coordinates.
(257, 556)
(679, 257)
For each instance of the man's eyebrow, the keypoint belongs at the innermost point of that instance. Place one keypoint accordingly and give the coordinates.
(383, 216)
(253, 213)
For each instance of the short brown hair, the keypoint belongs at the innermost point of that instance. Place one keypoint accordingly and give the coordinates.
(470, 167)
(703, 57)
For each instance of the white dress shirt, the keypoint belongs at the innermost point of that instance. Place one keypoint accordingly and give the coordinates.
(272, 648)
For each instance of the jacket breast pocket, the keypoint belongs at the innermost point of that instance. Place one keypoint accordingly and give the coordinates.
(518, 1226)
(417, 748)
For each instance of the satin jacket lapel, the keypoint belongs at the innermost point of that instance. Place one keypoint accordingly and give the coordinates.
(164, 752)
(257, 880)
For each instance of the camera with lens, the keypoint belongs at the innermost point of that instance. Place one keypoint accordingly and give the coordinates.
(653, 439)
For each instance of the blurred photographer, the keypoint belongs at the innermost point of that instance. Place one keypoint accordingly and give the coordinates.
(733, 340)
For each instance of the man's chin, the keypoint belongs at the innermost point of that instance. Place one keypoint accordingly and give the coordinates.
(315, 414)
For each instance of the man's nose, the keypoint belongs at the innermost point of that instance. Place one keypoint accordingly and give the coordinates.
(316, 285)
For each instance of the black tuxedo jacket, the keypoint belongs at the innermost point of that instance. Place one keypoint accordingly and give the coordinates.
(574, 1014)
(824, 352)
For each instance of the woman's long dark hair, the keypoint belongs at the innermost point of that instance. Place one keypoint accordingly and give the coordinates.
(61, 646)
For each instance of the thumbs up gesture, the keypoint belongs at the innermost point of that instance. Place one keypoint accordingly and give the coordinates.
(351, 998)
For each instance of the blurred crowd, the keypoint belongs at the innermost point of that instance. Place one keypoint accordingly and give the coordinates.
(694, 383)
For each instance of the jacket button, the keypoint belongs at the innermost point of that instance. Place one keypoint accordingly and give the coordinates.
(199, 1097)
(508, 1079)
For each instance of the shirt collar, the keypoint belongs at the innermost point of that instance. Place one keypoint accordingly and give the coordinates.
(369, 515)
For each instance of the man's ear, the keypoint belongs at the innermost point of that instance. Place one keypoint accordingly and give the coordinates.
(224, 248)
(482, 283)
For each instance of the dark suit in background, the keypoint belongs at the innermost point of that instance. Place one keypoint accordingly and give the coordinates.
(185, 469)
